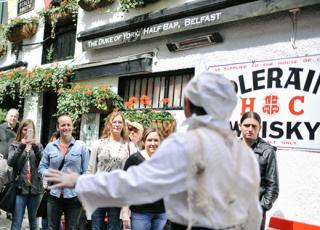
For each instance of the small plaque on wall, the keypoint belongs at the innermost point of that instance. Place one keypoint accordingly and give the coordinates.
(25, 6)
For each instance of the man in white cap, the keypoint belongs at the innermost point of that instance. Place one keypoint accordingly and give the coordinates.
(207, 177)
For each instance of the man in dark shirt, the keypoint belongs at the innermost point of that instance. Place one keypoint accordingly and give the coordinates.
(8, 132)
(11, 120)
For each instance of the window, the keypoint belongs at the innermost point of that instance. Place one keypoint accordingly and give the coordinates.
(3, 12)
(62, 46)
(156, 87)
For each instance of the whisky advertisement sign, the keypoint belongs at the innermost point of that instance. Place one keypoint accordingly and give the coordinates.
(285, 93)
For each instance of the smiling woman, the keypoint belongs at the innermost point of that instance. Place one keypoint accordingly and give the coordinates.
(64, 154)
(109, 153)
(152, 214)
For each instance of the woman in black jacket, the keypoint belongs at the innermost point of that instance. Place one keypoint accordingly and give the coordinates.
(146, 216)
(24, 157)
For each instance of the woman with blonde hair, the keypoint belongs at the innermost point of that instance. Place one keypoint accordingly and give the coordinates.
(24, 157)
(109, 153)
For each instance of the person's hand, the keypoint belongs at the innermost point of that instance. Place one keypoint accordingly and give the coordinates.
(126, 223)
(61, 179)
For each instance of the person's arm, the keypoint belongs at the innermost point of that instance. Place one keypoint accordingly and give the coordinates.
(163, 174)
(271, 181)
(84, 159)
(37, 149)
(92, 165)
(15, 153)
(44, 162)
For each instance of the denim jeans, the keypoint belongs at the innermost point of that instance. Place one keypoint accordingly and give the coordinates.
(71, 207)
(22, 201)
(114, 222)
(148, 221)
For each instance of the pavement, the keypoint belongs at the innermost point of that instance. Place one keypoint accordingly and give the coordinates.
(5, 223)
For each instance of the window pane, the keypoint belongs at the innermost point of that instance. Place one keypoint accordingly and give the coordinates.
(156, 87)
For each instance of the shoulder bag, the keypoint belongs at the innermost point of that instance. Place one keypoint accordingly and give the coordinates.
(8, 193)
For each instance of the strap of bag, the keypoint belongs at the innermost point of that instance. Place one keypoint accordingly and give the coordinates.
(62, 163)
(63, 159)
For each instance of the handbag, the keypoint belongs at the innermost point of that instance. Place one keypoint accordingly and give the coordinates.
(8, 197)
(8, 193)
(42, 209)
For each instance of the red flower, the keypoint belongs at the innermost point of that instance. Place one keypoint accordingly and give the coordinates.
(129, 104)
(165, 101)
(144, 100)
(88, 92)
(133, 99)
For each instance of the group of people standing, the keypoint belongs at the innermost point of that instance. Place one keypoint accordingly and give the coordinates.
(120, 141)
(203, 179)
(206, 177)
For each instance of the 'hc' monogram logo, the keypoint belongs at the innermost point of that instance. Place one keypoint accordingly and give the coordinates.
(271, 105)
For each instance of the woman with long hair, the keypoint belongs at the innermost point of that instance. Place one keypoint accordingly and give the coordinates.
(109, 153)
(150, 216)
(24, 157)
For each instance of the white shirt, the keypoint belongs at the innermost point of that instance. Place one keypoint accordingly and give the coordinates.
(232, 181)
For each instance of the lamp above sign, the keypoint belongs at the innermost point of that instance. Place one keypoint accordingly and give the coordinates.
(25, 6)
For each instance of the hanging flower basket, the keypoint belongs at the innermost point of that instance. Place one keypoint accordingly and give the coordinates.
(90, 5)
(59, 15)
(60, 18)
(20, 29)
(126, 5)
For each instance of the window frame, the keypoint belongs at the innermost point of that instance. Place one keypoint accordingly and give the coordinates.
(172, 81)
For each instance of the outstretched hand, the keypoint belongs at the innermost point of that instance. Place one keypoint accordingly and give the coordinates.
(61, 179)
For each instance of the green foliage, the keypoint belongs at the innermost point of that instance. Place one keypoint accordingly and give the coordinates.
(3, 115)
(80, 100)
(147, 116)
(54, 13)
(3, 41)
(22, 82)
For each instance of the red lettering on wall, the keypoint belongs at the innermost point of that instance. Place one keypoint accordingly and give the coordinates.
(246, 105)
(292, 105)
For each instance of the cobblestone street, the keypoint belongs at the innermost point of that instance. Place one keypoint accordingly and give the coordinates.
(5, 224)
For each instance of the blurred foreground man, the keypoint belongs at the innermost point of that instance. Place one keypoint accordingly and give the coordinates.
(208, 178)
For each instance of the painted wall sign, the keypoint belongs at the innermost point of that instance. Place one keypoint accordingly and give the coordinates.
(285, 93)
(156, 30)
(25, 6)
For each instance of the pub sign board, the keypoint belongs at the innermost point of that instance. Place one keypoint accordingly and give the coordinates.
(285, 93)
(25, 6)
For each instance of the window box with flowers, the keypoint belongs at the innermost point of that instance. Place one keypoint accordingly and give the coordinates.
(126, 5)
(60, 13)
(80, 100)
(90, 5)
(19, 29)
(161, 119)
(22, 82)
